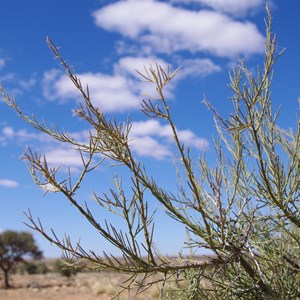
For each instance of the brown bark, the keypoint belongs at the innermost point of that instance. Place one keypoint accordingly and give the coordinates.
(6, 279)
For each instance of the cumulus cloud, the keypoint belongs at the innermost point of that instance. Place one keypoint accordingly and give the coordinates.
(121, 91)
(154, 128)
(168, 29)
(234, 7)
(124, 88)
(130, 66)
(109, 92)
(8, 183)
(147, 146)
(151, 138)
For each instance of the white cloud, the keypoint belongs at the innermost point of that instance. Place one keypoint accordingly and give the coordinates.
(119, 92)
(57, 154)
(123, 90)
(168, 29)
(154, 128)
(150, 138)
(21, 135)
(16, 86)
(147, 138)
(149, 147)
(234, 7)
(9, 183)
(109, 92)
(198, 67)
(150, 127)
(128, 65)
(48, 81)
(8, 132)
(64, 157)
(191, 140)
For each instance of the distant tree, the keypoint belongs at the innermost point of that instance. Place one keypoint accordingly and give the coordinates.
(14, 248)
(245, 209)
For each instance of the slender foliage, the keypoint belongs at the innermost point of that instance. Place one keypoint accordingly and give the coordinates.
(245, 210)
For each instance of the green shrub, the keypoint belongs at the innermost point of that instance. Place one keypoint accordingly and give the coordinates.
(244, 209)
(63, 269)
(33, 268)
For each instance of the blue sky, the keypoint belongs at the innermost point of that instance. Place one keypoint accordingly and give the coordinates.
(105, 41)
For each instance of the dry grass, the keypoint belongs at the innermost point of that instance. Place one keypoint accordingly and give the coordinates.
(83, 286)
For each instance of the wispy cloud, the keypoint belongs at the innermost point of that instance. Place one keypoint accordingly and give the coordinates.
(15, 85)
(8, 183)
(28, 84)
(7, 77)
(197, 67)
(57, 154)
(9, 134)
(168, 29)
(2, 63)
